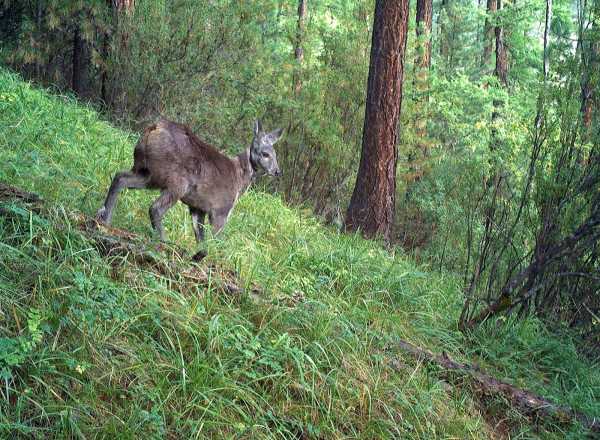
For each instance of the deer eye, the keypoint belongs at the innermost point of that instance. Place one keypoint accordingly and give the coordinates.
(265, 155)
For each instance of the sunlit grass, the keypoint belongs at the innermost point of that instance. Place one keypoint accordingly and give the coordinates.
(98, 348)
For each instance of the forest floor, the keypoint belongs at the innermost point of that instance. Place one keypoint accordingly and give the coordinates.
(114, 347)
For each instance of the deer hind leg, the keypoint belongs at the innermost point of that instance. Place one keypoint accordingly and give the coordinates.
(165, 201)
(198, 217)
(125, 179)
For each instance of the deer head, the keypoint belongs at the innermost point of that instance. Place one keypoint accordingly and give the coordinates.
(262, 153)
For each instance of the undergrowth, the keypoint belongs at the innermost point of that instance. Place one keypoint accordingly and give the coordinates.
(92, 347)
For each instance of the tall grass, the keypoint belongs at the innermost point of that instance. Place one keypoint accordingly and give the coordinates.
(93, 347)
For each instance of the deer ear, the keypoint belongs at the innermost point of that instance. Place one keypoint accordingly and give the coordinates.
(275, 135)
(257, 127)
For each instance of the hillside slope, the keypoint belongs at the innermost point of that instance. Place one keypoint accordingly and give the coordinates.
(94, 347)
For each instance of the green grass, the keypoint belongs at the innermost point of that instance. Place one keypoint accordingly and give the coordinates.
(98, 348)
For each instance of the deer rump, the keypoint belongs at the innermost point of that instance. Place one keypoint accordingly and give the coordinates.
(173, 159)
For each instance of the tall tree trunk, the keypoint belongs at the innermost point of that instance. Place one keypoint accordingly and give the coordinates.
(501, 70)
(372, 204)
(488, 33)
(299, 50)
(77, 71)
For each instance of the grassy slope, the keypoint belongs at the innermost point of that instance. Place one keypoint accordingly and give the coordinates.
(94, 349)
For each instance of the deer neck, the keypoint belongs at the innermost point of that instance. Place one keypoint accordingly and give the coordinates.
(246, 170)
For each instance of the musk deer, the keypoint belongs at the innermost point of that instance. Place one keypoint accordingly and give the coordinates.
(169, 157)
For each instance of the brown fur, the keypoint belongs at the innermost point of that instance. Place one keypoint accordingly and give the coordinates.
(171, 158)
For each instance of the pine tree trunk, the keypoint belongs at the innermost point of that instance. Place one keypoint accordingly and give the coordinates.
(488, 36)
(372, 204)
(501, 70)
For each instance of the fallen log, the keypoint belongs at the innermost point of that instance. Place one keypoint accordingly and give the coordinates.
(527, 402)
(8, 192)
(161, 257)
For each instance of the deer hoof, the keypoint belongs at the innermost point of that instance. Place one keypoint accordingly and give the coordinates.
(102, 215)
(199, 256)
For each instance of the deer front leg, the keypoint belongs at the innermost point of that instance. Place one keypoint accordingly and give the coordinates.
(218, 218)
(165, 201)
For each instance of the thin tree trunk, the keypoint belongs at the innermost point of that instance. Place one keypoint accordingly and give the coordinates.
(372, 204)
(39, 17)
(547, 23)
(444, 43)
(500, 72)
(545, 62)
(299, 50)
(422, 65)
(104, 77)
(590, 55)
(423, 32)
(76, 77)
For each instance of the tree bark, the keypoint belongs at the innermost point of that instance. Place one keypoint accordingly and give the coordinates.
(501, 70)
(488, 33)
(76, 74)
(299, 50)
(372, 204)
(547, 22)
